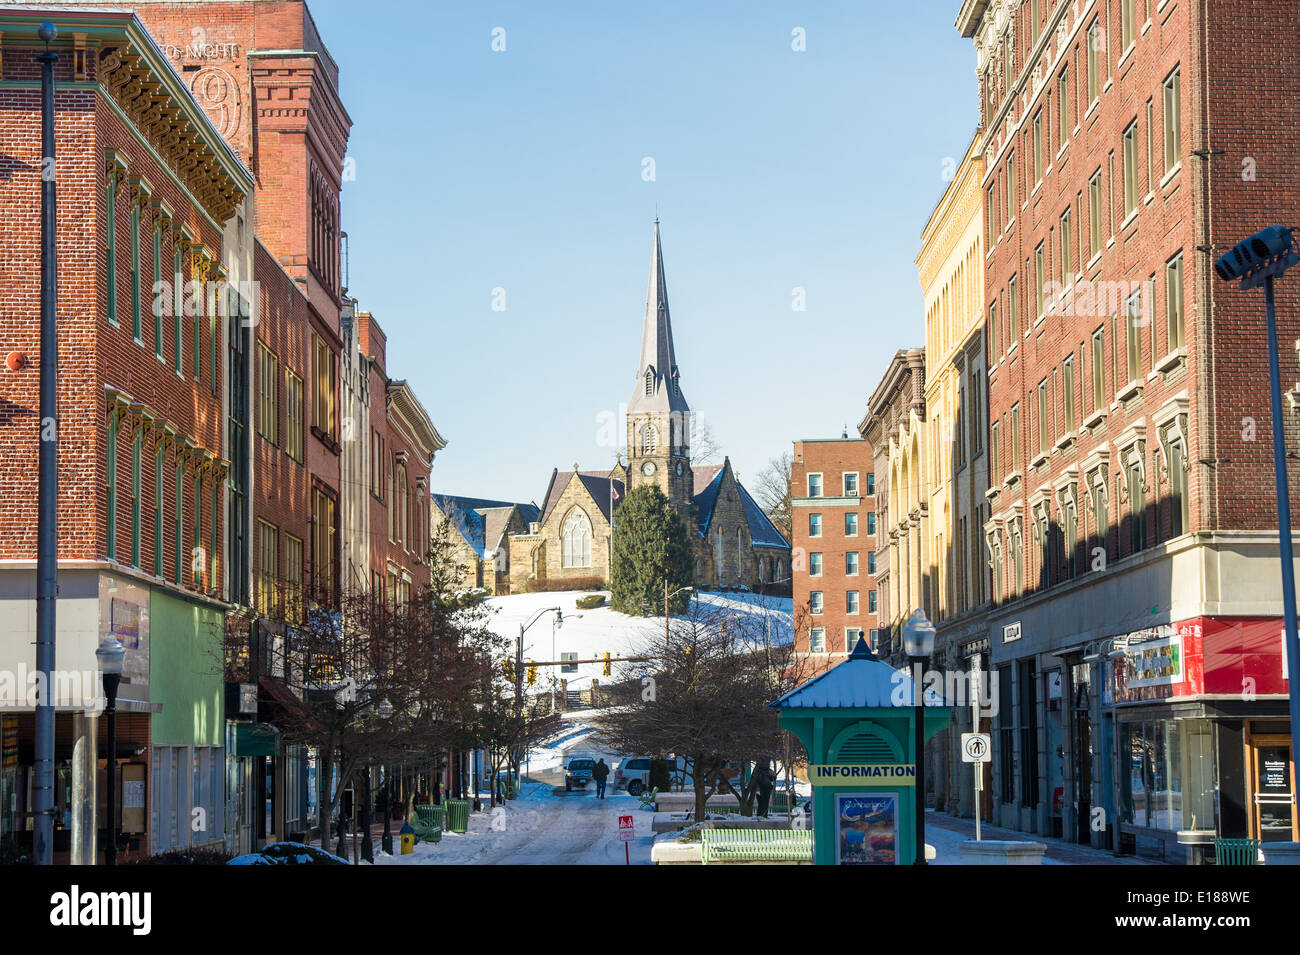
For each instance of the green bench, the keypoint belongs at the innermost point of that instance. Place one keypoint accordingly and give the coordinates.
(1236, 851)
(756, 845)
(428, 823)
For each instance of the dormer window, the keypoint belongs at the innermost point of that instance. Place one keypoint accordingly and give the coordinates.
(649, 382)
(677, 385)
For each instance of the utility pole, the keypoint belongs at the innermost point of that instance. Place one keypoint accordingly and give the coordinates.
(47, 521)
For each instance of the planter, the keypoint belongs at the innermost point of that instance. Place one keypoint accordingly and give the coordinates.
(997, 852)
(1281, 853)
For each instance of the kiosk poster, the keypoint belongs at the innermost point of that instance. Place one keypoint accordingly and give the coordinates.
(866, 832)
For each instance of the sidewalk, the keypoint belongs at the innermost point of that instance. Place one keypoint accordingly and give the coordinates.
(1058, 851)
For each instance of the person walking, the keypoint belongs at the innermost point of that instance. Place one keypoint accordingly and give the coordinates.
(600, 772)
(766, 781)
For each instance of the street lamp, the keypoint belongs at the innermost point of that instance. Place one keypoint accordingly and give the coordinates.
(1256, 261)
(385, 709)
(668, 596)
(918, 642)
(519, 679)
(110, 657)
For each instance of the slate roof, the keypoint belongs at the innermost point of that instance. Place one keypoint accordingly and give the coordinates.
(708, 481)
(597, 484)
(482, 521)
(861, 680)
(657, 351)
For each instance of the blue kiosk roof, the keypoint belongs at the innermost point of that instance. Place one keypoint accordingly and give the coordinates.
(862, 681)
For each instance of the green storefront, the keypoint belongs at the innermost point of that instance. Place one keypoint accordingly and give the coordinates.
(856, 724)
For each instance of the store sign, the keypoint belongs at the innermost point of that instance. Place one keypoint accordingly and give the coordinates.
(1155, 662)
(840, 774)
(1011, 632)
(125, 624)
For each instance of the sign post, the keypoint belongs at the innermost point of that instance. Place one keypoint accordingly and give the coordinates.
(626, 832)
(976, 747)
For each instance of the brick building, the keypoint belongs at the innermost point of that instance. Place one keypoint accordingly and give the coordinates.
(153, 239)
(1133, 526)
(833, 508)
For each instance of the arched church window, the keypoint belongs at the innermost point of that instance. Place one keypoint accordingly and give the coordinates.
(649, 439)
(740, 553)
(649, 381)
(575, 540)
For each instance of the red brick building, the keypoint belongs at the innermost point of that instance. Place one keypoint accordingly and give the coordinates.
(1131, 492)
(153, 213)
(832, 489)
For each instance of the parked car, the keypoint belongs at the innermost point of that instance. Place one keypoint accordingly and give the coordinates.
(578, 773)
(633, 774)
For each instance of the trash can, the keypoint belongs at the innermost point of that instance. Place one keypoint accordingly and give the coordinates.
(457, 815)
(429, 822)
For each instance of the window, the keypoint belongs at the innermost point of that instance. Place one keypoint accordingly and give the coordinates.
(871, 484)
(1027, 686)
(135, 497)
(871, 523)
(110, 481)
(851, 524)
(1069, 536)
(1013, 312)
(1063, 97)
(178, 308)
(1044, 436)
(1094, 214)
(212, 537)
(815, 564)
(158, 511)
(1038, 148)
(200, 302)
(377, 466)
(1100, 514)
(178, 523)
(575, 539)
(1174, 301)
(324, 397)
(110, 227)
(995, 453)
(817, 640)
(1014, 449)
(268, 394)
(157, 301)
(1067, 263)
(850, 601)
(1034, 21)
(649, 439)
(136, 331)
(1094, 62)
(1067, 384)
(871, 601)
(1137, 506)
(1173, 121)
(1127, 23)
(1099, 369)
(991, 212)
(399, 508)
(814, 525)
(815, 602)
(324, 530)
(649, 382)
(1177, 488)
(1151, 126)
(293, 596)
(1040, 255)
(1130, 168)
(851, 484)
(871, 562)
(293, 415)
(851, 563)
(268, 567)
(814, 485)
(994, 350)
(1011, 184)
(1133, 316)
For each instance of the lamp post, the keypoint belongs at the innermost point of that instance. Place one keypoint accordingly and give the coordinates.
(668, 596)
(918, 641)
(519, 674)
(386, 712)
(110, 656)
(1257, 261)
(47, 476)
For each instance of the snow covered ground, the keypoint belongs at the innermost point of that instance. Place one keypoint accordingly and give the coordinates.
(591, 633)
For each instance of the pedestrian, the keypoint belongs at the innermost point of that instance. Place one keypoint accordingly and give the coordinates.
(600, 772)
(765, 780)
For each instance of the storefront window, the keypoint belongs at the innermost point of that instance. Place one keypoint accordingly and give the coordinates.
(1167, 774)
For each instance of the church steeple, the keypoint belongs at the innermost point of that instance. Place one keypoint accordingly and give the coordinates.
(658, 383)
(658, 417)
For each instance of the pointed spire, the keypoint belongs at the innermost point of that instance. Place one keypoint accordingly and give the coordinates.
(657, 353)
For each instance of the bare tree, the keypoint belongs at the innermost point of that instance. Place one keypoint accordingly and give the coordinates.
(705, 447)
(773, 493)
(707, 698)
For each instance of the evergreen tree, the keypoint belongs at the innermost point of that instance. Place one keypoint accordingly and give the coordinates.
(650, 544)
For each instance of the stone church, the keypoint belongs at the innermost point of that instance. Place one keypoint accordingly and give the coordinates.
(570, 542)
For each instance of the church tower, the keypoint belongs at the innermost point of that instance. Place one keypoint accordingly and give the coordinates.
(658, 418)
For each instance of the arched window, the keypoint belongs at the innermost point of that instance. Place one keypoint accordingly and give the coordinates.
(649, 381)
(649, 439)
(575, 540)
(717, 546)
(740, 553)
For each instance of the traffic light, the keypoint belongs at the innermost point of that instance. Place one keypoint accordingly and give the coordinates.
(1254, 252)
(508, 669)
(532, 672)
(605, 671)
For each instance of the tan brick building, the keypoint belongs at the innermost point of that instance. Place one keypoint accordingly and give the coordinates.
(833, 508)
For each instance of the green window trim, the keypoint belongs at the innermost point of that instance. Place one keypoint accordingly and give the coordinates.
(158, 512)
(110, 464)
(178, 309)
(212, 538)
(212, 350)
(196, 564)
(178, 525)
(156, 301)
(135, 499)
(110, 204)
(136, 331)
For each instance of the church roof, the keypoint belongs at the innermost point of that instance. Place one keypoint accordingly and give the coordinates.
(657, 353)
(708, 481)
(481, 521)
(597, 484)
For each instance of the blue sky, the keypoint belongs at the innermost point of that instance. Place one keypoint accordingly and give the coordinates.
(522, 170)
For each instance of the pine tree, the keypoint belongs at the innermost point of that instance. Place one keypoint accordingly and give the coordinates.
(650, 544)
